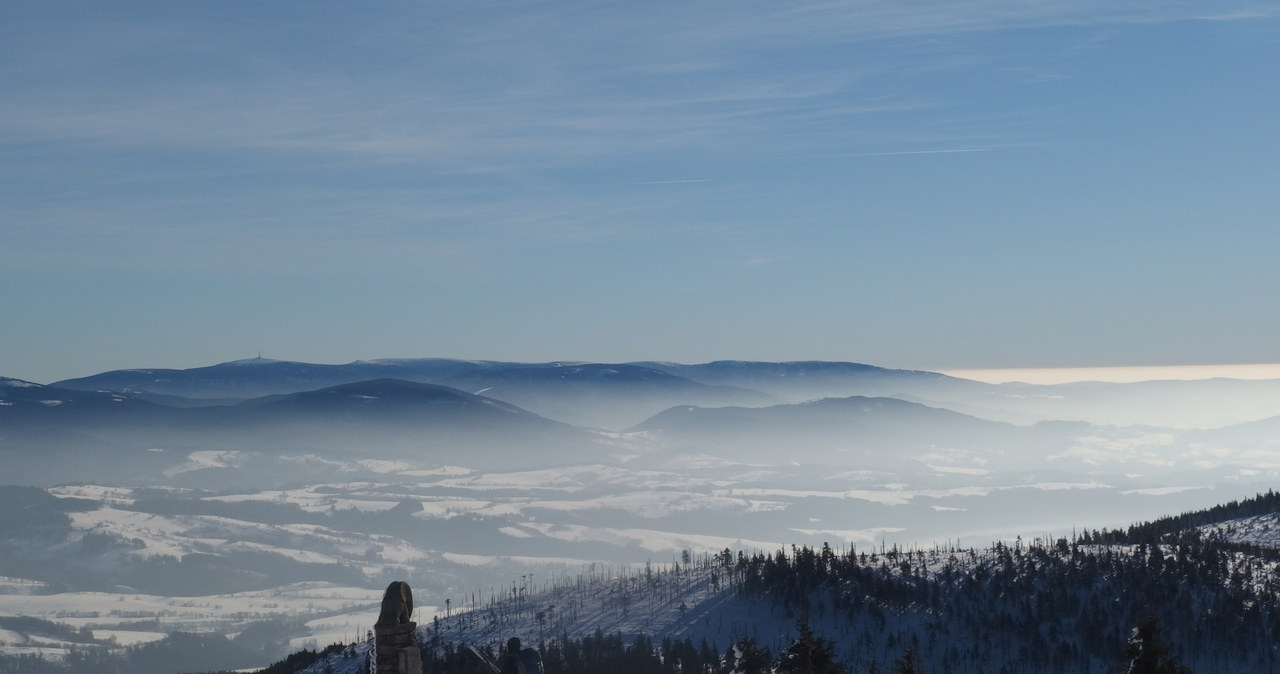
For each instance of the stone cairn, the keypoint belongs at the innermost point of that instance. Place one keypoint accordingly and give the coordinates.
(395, 651)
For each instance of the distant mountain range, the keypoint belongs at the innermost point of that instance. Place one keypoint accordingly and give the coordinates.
(804, 380)
(600, 395)
(51, 434)
(256, 377)
(379, 402)
(518, 412)
(871, 431)
(617, 396)
(613, 396)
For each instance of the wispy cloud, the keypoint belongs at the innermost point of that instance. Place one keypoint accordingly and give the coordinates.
(672, 142)
(497, 89)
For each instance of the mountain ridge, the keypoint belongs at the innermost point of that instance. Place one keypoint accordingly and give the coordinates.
(54, 434)
(1172, 404)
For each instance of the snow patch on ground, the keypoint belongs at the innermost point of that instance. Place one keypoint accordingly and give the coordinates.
(20, 586)
(445, 508)
(646, 539)
(650, 504)
(1162, 491)
(514, 532)
(852, 535)
(206, 459)
(956, 470)
(127, 637)
(1059, 486)
(16, 383)
(111, 614)
(382, 466)
(154, 534)
(894, 495)
(449, 471)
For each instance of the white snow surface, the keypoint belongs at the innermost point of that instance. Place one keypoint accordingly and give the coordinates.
(112, 614)
(1262, 530)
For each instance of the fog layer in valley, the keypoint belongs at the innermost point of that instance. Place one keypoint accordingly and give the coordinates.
(260, 490)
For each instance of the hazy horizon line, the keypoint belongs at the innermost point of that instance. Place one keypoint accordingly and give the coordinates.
(1119, 374)
(991, 375)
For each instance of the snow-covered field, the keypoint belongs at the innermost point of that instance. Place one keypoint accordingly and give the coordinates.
(124, 619)
(461, 536)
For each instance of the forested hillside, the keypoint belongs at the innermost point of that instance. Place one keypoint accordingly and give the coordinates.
(1203, 601)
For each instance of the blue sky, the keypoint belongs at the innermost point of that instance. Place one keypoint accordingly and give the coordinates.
(981, 183)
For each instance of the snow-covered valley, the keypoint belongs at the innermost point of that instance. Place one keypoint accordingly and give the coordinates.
(309, 561)
(286, 541)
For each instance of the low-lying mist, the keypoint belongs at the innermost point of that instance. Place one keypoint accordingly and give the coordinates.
(541, 469)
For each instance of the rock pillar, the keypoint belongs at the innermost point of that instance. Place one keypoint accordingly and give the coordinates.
(393, 633)
(395, 648)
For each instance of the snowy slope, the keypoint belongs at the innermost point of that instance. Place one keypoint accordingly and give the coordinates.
(693, 600)
(1261, 530)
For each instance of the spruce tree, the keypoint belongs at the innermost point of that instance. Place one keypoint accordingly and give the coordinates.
(745, 657)
(1147, 654)
(809, 654)
(907, 663)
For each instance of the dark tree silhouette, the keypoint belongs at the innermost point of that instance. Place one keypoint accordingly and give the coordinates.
(747, 658)
(1147, 655)
(809, 654)
(907, 663)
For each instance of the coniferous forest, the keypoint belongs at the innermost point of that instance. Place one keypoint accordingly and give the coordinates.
(1161, 596)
